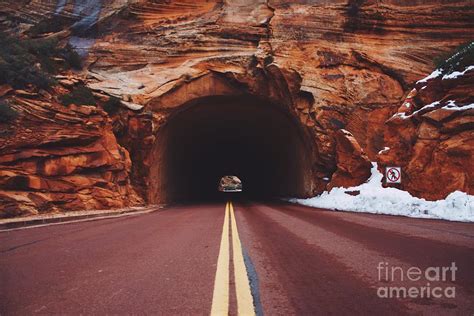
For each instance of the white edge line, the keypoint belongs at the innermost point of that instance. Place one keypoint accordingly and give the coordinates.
(80, 220)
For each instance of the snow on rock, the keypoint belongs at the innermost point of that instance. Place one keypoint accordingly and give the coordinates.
(456, 74)
(438, 72)
(453, 107)
(434, 74)
(384, 150)
(375, 199)
(427, 107)
(430, 106)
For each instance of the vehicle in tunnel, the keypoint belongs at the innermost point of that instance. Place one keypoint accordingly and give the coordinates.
(230, 184)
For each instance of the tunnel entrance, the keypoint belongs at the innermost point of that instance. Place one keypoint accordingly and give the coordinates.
(260, 142)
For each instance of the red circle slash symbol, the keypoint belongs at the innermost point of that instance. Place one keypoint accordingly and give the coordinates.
(393, 175)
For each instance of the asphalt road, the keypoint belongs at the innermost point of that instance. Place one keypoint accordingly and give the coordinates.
(267, 258)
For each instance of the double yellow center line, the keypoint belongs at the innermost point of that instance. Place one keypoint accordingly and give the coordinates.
(220, 298)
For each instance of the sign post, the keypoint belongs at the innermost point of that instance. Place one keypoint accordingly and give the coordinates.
(393, 175)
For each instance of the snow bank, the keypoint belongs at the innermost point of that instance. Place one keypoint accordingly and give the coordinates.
(375, 199)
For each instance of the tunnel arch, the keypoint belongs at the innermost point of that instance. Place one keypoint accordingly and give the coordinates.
(261, 142)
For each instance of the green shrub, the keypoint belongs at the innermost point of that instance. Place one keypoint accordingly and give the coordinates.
(80, 95)
(459, 59)
(7, 114)
(112, 105)
(72, 58)
(44, 50)
(18, 64)
(25, 62)
(51, 25)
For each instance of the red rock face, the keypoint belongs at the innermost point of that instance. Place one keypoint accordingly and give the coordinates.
(353, 165)
(328, 66)
(55, 158)
(431, 136)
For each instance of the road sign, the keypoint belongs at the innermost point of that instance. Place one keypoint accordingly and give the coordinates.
(393, 175)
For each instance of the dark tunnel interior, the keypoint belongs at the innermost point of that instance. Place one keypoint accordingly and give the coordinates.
(259, 142)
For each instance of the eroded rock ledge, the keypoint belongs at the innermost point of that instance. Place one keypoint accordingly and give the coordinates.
(342, 69)
(61, 158)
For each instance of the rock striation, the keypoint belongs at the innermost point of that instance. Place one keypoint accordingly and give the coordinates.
(341, 68)
(55, 158)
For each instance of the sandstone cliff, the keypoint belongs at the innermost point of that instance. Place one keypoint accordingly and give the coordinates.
(431, 136)
(332, 64)
(61, 158)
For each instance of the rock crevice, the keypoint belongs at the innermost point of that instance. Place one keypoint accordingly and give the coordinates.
(330, 66)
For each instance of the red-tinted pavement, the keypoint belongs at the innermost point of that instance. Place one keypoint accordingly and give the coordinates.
(307, 262)
(158, 263)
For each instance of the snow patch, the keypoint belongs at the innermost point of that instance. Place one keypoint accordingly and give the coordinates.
(384, 150)
(402, 115)
(456, 74)
(375, 199)
(434, 74)
(453, 107)
(426, 107)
